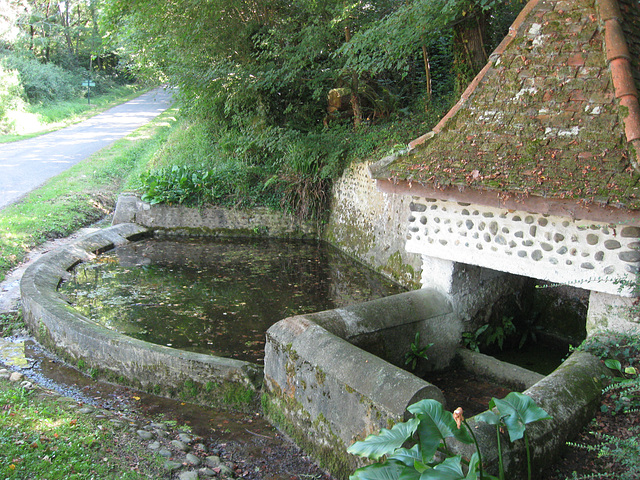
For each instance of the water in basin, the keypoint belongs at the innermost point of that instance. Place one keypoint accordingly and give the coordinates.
(216, 296)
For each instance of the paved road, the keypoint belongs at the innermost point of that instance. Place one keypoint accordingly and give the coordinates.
(27, 164)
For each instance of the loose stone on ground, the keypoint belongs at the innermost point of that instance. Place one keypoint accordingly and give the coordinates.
(172, 445)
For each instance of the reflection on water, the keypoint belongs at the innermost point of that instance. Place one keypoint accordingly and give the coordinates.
(217, 296)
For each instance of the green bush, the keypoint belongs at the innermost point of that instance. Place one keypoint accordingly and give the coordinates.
(45, 82)
(254, 164)
(227, 183)
(11, 93)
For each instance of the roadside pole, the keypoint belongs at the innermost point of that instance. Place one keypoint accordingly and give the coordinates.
(88, 83)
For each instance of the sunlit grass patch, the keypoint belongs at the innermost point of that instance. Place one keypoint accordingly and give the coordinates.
(41, 437)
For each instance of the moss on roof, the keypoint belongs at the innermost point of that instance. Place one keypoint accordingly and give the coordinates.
(543, 120)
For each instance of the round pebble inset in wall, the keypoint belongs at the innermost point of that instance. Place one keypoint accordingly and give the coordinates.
(612, 244)
(592, 239)
(589, 254)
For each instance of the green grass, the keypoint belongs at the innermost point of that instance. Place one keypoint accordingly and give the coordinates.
(81, 195)
(11, 324)
(42, 437)
(53, 116)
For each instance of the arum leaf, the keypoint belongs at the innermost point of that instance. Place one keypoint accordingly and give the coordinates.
(488, 417)
(407, 456)
(386, 442)
(450, 469)
(410, 473)
(379, 471)
(518, 410)
(436, 424)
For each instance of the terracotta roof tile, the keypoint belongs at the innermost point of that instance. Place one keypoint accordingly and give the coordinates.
(547, 116)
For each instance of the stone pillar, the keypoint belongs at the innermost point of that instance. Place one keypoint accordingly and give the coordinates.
(438, 274)
(613, 313)
(472, 291)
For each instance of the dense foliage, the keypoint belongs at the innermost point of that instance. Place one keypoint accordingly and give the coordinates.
(291, 91)
(47, 49)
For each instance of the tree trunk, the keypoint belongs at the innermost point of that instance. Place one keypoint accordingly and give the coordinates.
(96, 46)
(47, 53)
(64, 15)
(427, 71)
(355, 85)
(469, 52)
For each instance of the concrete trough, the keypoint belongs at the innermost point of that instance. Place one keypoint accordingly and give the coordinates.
(151, 367)
(326, 392)
(330, 378)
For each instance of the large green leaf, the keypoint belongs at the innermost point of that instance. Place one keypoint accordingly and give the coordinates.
(474, 470)
(388, 470)
(408, 456)
(488, 417)
(436, 424)
(517, 411)
(410, 473)
(450, 469)
(386, 442)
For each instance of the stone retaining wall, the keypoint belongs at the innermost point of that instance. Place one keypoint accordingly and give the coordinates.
(210, 221)
(370, 226)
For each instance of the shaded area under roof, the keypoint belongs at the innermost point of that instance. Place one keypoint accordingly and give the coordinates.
(551, 118)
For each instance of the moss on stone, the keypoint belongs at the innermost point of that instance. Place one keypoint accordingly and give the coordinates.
(401, 271)
(330, 453)
(321, 376)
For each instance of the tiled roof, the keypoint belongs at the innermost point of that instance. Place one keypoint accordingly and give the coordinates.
(554, 115)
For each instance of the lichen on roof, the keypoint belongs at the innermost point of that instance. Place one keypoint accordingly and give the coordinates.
(543, 119)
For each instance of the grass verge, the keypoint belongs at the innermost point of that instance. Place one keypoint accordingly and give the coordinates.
(80, 196)
(42, 436)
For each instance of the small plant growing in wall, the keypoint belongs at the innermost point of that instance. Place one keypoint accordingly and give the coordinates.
(417, 449)
(415, 353)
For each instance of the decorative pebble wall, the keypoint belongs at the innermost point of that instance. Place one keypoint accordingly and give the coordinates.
(585, 254)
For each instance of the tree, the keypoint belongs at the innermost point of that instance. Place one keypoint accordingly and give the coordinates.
(62, 32)
(10, 12)
(268, 59)
(392, 42)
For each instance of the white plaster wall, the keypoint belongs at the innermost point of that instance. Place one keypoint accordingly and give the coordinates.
(585, 254)
(613, 313)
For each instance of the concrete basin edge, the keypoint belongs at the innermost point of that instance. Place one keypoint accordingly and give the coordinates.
(200, 378)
